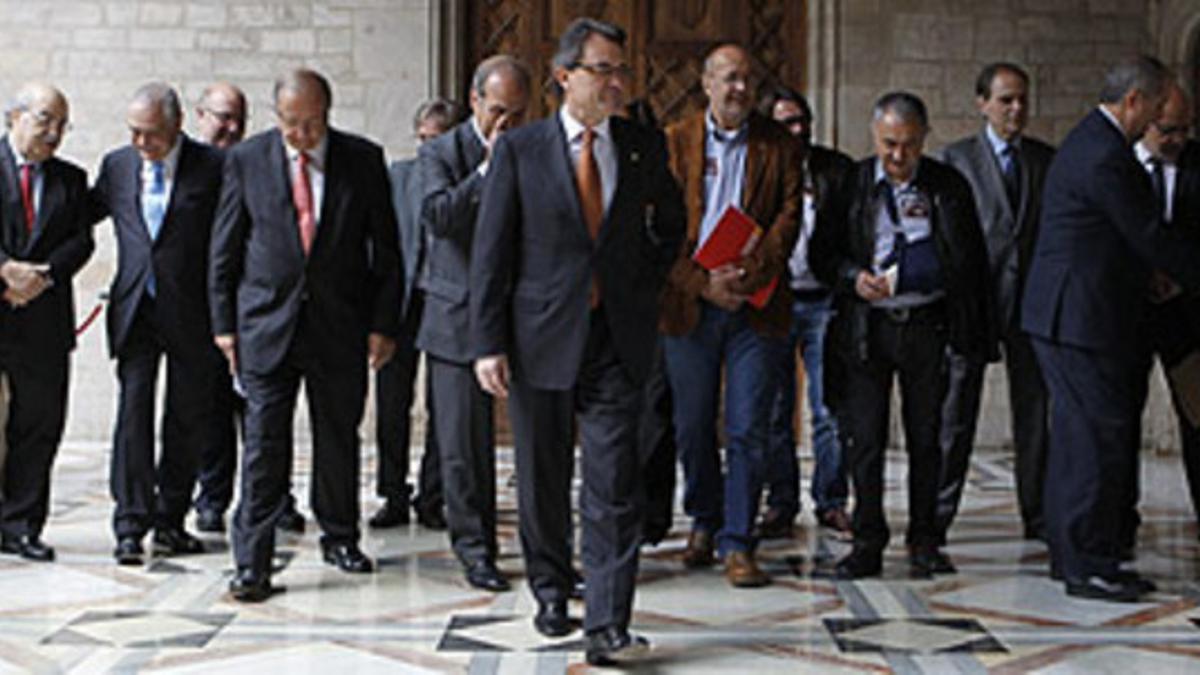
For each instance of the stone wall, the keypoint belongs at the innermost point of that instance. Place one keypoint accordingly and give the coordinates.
(375, 52)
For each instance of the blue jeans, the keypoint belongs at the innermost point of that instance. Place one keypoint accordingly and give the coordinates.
(724, 503)
(829, 491)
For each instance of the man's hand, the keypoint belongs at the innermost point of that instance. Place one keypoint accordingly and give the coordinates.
(25, 281)
(379, 349)
(227, 343)
(871, 287)
(492, 373)
(719, 290)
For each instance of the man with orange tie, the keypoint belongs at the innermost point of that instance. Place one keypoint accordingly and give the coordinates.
(578, 223)
(305, 284)
(44, 240)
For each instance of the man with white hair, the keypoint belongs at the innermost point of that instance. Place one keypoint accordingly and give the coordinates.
(44, 241)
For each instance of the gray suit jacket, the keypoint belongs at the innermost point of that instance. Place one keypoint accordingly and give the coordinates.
(406, 201)
(1009, 233)
(452, 187)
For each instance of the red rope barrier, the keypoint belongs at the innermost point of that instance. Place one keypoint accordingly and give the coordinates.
(91, 318)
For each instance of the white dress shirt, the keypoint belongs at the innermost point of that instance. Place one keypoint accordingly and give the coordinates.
(316, 172)
(1170, 172)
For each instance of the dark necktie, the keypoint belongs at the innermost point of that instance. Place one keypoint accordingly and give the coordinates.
(1012, 176)
(27, 196)
(1159, 180)
(302, 199)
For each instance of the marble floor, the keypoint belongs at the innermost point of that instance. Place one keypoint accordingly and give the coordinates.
(1001, 613)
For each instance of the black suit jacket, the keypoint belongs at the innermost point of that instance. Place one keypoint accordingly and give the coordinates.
(1009, 233)
(61, 237)
(406, 202)
(533, 260)
(453, 188)
(178, 256)
(1100, 237)
(259, 278)
(827, 167)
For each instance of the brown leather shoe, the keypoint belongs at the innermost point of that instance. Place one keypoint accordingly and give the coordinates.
(699, 552)
(743, 572)
(838, 521)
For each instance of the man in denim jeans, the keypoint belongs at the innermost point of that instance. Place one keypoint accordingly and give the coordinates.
(822, 169)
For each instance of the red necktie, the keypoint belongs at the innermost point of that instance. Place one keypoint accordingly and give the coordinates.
(303, 200)
(27, 196)
(591, 199)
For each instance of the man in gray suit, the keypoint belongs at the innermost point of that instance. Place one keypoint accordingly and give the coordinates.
(452, 169)
(394, 382)
(1005, 169)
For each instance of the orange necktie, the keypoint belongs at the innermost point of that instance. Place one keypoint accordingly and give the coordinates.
(303, 200)
(591, 199)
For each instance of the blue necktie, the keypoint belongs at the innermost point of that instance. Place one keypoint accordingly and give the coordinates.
(154, 209)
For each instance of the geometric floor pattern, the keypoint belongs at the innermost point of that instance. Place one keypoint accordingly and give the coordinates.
(1000, 613)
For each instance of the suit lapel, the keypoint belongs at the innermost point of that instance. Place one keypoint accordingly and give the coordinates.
(563, 172)
(694, 178)
(756, 160)
(13, 216)
(624, 158)
(178, 181)
(987, 162)
(331, 194)
(52, 196)
(281, 177)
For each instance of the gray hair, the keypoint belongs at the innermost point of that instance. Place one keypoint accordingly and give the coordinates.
(905, 105)
(162, 95)
(446, 112)
(1143, 73)
(501, 63)
(301, 79)
(570, 44)
(26, 96)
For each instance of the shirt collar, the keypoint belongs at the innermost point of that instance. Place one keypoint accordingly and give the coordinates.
(170, 161)
(478, 132)
(316, 156)
(573, 127)
(720, 135)
(1144, 155)
(999, 144)
(1112, 119)
(882, 177)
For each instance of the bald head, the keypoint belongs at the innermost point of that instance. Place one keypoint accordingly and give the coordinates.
(727, 83)
(1166, 137)
(37, 120)
(221, 115)
(302, 100)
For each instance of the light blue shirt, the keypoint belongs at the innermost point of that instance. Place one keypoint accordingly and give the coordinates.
(724, 172)
(999, 145)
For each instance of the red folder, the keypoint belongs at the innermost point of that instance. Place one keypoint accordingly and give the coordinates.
(735, 236)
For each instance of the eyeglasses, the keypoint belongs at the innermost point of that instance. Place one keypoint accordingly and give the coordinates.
(45, 121)
(606, 70)
(222, 116)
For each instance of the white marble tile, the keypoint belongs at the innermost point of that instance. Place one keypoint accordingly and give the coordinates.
(1039, 598)
(1122, 661)
(38, 586)
(318, 658)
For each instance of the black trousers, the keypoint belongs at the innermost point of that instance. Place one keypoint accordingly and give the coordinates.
(914, 352)
(36, 415)
(150, 494)
(218, 460)
(656, 443)
(336, 389)
(1092, 463)
(466, 434)
(1030, 406)
(394, 384)
(608, 405)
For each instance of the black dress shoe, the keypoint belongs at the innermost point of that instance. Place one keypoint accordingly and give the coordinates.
(859, 564)
(431, 517)
(29, 548)
(776, 524)
(249, 586)
(175, 541)
(1097, 587)
(552, 620)
(928, 560)
(613, 646)
(210, 520)
(129, 551)
(291, 521)
(348, 558)
(484, 576)
(393, 513)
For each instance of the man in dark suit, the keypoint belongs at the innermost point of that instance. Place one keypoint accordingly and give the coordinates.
(305, 285)
(453, 168)
(901, 247)
(395, 380)
(728, 156)
(812, 305)
(1006, 169)
(161, 191)
(44, 240)
(1101, 236)
(1172, 321)
(578, 224)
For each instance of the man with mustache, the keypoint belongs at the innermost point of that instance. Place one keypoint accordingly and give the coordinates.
(44, 241)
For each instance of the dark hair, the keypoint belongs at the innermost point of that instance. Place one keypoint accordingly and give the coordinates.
(500, 63)
(641, 112)
(446, 112)
(1143, 73)
(570, 43)
(779, 93)
(907, 106)
(299, 80)
(983, 83)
